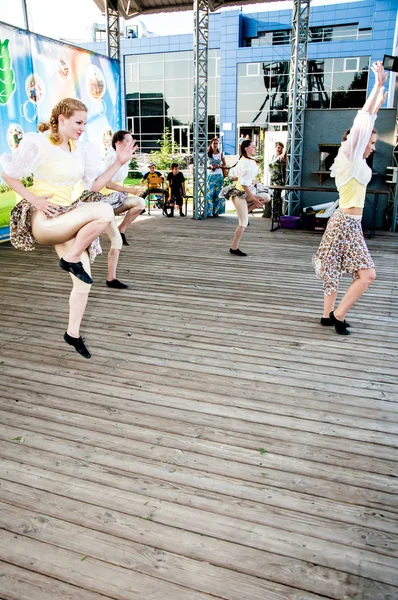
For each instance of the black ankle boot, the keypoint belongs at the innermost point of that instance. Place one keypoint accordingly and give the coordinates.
(339, 326)
(125, 242)
(78, 344)
(76, 269)
(326, 322)
(116, 284)
(237, 252)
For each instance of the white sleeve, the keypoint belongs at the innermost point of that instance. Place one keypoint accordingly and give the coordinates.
(359, 136)
(92, 164)
(26, 158)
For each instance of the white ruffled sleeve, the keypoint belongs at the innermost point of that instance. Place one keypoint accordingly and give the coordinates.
(25, 160)
(92, 164)
(247, 172)
(359, 136)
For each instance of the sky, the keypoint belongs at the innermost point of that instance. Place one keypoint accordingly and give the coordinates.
(75, 23)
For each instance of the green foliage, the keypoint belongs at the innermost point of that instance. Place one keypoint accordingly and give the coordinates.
(167, 153)
(7, 82)
(133, 169)
(27, 182)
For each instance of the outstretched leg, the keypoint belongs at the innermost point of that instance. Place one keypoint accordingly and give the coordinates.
(81, 225)
(134, 206)
(355, 291)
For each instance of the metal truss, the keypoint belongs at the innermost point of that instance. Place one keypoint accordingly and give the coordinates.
(200, 125)
(393, 203)
(112, 28)
(297, 99)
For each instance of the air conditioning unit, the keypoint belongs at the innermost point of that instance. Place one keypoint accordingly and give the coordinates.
(391, 174)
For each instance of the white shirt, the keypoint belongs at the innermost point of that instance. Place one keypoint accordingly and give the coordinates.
(349, 162)
(122, 173)
(246, 170)
(216, 158)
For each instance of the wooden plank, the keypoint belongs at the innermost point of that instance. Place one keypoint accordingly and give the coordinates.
(23, 584)
(101, 433)
(124, 527)
(145, 425)
(153, 446)
(91, 574)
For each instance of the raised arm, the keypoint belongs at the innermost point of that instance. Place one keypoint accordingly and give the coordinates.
(123, 154)
(354, 146)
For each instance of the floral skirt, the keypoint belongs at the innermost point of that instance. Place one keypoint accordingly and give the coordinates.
(116, 199)
(21, 236)
(342, 250)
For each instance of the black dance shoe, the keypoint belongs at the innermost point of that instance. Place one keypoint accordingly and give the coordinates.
(340, 326)
(181, 214)
(237, 252)
(124, 240)
(116, 284)
(76, 269)
(326, 322)
(78, 344)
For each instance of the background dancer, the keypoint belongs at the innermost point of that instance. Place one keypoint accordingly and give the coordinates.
(246, 197)
(127, 199)
(46, 213)
(343, 248)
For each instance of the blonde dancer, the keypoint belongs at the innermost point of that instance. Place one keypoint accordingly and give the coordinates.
(46, 214)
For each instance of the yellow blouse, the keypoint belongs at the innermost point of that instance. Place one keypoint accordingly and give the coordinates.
(55, 171)
(352, 194)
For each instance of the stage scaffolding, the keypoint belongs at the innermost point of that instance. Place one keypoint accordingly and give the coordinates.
(297, 91)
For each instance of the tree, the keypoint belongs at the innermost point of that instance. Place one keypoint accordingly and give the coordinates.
(167, 153)
(7, 82)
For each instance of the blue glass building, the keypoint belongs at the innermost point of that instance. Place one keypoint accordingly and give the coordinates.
(248, 71)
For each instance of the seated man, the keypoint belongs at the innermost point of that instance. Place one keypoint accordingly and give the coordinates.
(176, 181)
(154, 181)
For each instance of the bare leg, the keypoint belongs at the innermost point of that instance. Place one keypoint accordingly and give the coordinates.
(113, 259)
(79, 294)
(134, 206)
(77, 307)
(328, 304)
(81, 225)
(243, 216)
(239, 231)
(354, 292)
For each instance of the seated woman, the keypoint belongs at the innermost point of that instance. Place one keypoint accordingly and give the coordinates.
(125, 199)
(46, 214)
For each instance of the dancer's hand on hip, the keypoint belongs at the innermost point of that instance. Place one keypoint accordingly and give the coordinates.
(41, 203)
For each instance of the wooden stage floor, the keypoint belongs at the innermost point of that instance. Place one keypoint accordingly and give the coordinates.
(220, 444)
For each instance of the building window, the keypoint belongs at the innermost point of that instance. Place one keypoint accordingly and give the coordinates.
(337, 82)
(252, 69)
(270, 38)
(333, 33)
(332, 83)
(159, 94)
(351, 64)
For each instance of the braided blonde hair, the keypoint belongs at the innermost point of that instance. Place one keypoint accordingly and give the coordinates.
(65, 107)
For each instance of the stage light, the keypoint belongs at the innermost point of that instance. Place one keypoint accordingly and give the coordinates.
(390, 63)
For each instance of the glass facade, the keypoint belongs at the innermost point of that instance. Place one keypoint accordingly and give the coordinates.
(332, 83)
(159, 94)
(328, 33)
